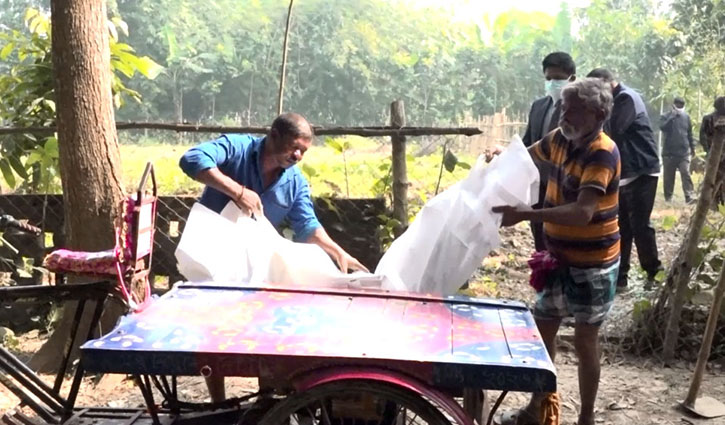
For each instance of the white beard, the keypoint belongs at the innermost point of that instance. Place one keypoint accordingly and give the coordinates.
(570, 133)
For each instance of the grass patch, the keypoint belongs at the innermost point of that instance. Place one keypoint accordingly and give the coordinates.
(368, 161)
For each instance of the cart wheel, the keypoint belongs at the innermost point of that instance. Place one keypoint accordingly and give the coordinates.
(355, 402)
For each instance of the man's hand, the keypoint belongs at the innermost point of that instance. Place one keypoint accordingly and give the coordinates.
(347, 262)
(512, 215)
(492, 152)
(343, 260)
(248, 200)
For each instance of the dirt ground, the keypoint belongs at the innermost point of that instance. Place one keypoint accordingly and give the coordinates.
(632, 390)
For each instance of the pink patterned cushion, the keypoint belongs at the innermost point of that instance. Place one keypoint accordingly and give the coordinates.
(67, 261)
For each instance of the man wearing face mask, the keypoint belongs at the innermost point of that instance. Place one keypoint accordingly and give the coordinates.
(630, 128)
(677, 148)
(559, 69)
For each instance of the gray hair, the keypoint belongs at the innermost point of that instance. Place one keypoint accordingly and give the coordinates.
(595, 93)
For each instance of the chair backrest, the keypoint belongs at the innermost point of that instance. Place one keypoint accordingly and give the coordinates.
(144, 219)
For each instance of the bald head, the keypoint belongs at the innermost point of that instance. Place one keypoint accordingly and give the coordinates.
(290, 126)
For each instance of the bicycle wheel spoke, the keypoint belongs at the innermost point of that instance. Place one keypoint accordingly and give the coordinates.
(325, 416)
(357, 402)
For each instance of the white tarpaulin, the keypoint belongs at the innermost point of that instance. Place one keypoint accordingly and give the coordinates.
(442, 248)
(455, 230)
(233, 248)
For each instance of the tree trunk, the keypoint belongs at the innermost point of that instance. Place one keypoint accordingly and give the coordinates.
(679, 274)
(88, 146)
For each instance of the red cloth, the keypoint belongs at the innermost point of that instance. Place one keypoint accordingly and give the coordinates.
(541, 263)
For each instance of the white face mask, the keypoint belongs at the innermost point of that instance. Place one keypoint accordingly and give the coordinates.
(553, 88)
(680, 109)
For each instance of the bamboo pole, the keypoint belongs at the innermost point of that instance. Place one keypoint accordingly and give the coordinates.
(707, 338)
(284, 58)
(372, 131)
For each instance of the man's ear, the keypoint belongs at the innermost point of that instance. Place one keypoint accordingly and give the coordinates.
(572, 78)
(274, 135)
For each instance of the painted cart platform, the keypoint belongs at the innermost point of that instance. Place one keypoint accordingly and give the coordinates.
(273, 332)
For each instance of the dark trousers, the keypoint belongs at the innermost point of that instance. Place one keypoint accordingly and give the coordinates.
(672, 164)
(635, 207)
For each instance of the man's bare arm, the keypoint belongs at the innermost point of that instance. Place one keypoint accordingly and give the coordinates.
(577, 213)
(344, 260)
(245, 198)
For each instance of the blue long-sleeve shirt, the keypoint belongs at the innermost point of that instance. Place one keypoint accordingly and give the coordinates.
(239, 157)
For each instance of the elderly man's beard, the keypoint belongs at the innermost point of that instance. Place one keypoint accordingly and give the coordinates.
(570, 132)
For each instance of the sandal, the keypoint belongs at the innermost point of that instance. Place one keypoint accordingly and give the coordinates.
(516, 417)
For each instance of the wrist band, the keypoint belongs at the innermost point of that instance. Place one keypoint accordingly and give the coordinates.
(241, 195)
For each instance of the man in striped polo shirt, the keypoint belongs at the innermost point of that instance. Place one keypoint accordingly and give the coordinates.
(581, 234)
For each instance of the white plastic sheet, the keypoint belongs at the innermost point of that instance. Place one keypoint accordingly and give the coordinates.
(233, 248)
(455, 230)
(440, 250)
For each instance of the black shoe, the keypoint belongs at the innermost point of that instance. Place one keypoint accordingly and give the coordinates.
(649, 284)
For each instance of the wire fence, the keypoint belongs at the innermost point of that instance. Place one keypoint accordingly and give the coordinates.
(352, 186)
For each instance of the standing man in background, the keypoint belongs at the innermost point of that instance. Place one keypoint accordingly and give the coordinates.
(630, 128)
(677, 149)
(559, 69)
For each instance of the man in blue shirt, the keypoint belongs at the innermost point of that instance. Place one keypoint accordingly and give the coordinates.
(260, 175)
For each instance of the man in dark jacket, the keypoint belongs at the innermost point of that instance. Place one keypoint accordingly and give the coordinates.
(559, 69)
(677, 148)
(630, 128)
(707, 132)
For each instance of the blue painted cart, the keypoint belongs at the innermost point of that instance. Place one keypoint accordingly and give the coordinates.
(331, 356)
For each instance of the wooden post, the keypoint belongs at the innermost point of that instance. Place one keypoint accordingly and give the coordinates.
(400, 168)
(679, 275)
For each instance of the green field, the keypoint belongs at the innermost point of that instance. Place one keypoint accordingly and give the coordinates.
(368, 161)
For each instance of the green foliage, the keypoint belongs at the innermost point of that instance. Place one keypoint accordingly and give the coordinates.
(699, 68)
(668, 222)
(626, 37)
(29, 162)
(26, 100)
(8, 339)
(349, 60)
(641, 307)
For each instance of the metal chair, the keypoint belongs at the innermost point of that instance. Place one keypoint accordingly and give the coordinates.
(129, 262)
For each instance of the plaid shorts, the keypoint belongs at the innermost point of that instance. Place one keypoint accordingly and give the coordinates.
(586, 294)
